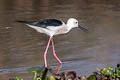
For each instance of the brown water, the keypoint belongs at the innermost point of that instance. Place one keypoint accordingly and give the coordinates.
(22, 47)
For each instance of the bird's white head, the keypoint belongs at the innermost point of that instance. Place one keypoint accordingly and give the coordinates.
(72, 23)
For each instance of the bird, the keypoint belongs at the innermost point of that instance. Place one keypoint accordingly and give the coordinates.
(52, 27)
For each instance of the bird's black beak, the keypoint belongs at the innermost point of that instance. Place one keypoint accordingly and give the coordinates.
(82, 28)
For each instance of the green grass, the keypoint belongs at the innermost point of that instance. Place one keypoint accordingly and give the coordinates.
(108, 73)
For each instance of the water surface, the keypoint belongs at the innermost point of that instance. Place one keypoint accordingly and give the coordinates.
(22, 47)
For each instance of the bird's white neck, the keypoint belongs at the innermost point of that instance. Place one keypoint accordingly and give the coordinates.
(69, 27)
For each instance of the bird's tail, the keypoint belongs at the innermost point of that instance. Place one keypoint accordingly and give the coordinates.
(25, 22)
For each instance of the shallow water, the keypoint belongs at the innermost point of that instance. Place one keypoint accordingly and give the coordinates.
(22, 47)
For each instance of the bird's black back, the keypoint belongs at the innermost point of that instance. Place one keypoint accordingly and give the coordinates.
(43, 23)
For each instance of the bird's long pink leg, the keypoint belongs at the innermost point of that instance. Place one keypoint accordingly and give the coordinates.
(45, 53)
(54, 52)
(58, 70)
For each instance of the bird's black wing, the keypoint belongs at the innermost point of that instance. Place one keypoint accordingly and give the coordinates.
(43, 23)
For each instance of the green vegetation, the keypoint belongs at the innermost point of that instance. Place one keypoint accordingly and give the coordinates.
(108, 73)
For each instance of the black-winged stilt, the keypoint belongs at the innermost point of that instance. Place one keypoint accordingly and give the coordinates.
(53, 27)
